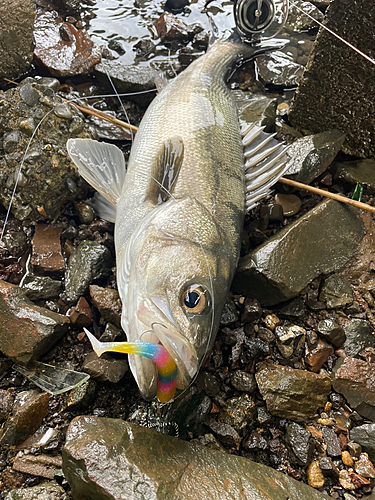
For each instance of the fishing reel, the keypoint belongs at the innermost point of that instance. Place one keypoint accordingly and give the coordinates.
(260, 19)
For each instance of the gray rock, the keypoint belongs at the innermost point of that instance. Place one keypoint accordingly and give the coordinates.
(300, 444)
(356, 172)
(89, 262)
(289, 339)
(332, 442)
(299, 22)
(328, 467)
(321, 241)
(229, 314)
(359, 335)
(332, 332)
(243, 381)
(45, 491)
(294, 309)
(228, 436)
(6, 404)
(364, 435)
(238, 412)
(208, 383)
(106, 368)
(112, 459)
(336, 292)
(40, 287)
(313, 154)
(290, 393)
(279, 68)
(40, 465)
(81, 397)
(321, 100)
(16, 37)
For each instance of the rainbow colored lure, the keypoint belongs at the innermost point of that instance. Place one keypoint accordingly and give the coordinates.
(167, 369)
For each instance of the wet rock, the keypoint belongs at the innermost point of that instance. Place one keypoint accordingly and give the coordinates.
(321, 241)
(347, 459)
(279, 69)
(271, 321)
(6, 404)
(336, 292)
(40, 465)
(315, 476)
(111, 333)
(46, 252)
(358, 480)
(260, 110)
(81, 315)
(81, 397)
(40, 327)
(254, 349)
(61, 48)
(294, 309)
(208, 383)
(106, 368)
(332, 332)
(255, 441)
(272, 211)
(332, 442)
(345, 481)
(16, 37)
(290, 203)
(364, 466)
(313, 154)
(43, 437)
(140, 455)
(359, 335)
(321, 101)
(299, 22)
(108, 302)
(354, 449)
(290, 393)
(225, 433)
(229, 314)
(356, 172)
(289, 339)
(45, 491)
(364, 435)
(30, 408)
(49, 178)
(170, 28)
(328, 467)
(90, 261)
(85, 213)
(40, 287)
(238, 412)
(252, 311)
(128, 79)
(300, 444)
(264, 417)
(316, 357)
(243, 381)
(355, 379)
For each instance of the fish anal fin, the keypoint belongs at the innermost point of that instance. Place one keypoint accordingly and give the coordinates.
(165, 170)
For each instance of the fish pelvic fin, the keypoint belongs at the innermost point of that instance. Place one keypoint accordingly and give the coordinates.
(265, 162)
(102, 165)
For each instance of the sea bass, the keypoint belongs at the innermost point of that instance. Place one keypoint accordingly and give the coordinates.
(179, 210)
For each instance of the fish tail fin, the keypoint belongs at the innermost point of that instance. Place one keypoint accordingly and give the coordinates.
(265, 162)
(102, 165)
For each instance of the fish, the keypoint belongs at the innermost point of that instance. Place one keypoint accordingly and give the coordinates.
(179, 209)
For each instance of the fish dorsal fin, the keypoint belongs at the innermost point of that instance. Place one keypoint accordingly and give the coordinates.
(265, 162)
(165, 170)
(102, 165)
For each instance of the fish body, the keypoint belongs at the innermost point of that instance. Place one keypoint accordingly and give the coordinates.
(179, 210)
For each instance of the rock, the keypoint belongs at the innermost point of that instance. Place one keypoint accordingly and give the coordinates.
(345, 480)
(364, 467)
(108, 303)
(208, 383)
(238, 412)
(289, 339)
(81, 397)
(30, 408)
(313, 154)
(359, 335)
(228, 436)
(271, 321)
(300, 444)
(274, 212)
(264, 417)
(81, 315)
(176, 6)
(347, 459)
(16, 37)
(243, 381)
(321, 100)
(40, 287)
(46, 491)
(97, 450)
(315, 476)
(111, 333)
(229, 314)
(357, 480)
(336, 292)
(290, 393)
(332, 332)
(321, 241)
(40, 465)
(40, 327)
(294, 309)
(332, 442)
(328, 467)
(128, 79)
(257, 109)
(170, 28)
(355, 379)
(6, 404)
(364, 435)
(252, 311)
(255, 441)
(46, 253)
(254, 349)
(354, 449)
(106, 368)
(290, 203)
(61, 48)
(190, 411)
(298, 22)
(279, 69)
(90, 261)
(49, 178)
(355, 172)
(316, 357)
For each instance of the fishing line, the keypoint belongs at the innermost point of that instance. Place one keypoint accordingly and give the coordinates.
(120, 101)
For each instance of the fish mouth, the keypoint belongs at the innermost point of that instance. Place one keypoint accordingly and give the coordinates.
(155, 315)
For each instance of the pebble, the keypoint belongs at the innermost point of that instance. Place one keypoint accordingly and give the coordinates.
(40, 287)
(228, 436)
(364, 466)
(46, 491)
(81, 397)
(332, 332)
(252, 311)
(46, 250)
(170, 28)
(336, 292)
(359, 336)
(328, 467)
(347, 459)
(289, 339)
(345, 481)
(208, 383)
(6, 403)
(357, 480)
(81, 315)
(229, 314)
(271, 321)
(315, 475)
(85, 213)
(40, 465)
(106, 368)
(108, 302)
(290, 203)
(238, 411)
(243, 381)
(300, 444)
(315, 358)
(332, 442)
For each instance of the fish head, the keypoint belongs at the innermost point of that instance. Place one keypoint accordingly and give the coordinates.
(179, 271)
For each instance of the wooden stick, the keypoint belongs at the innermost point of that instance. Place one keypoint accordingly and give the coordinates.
(104, 116)
(327, 194)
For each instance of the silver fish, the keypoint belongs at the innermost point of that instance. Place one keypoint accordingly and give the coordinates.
(179, 209)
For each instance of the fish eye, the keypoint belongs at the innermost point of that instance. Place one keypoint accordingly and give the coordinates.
(195, 299)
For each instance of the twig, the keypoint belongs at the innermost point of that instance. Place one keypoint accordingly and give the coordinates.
(104, 116)
(327, 194)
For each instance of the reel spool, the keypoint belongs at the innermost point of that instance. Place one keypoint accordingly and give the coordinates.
(260, 17)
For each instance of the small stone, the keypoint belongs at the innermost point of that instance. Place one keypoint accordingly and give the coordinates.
(6, 404)
(289, 202)
(289, 339)
(315, 358)
(40, 465)
(345, 481)
(325, 421)
(252, 311)
(106, 368)
(264, 416)
(315, 476)
(347, 459)
(81, 315)
(81, 397)
(364, 466)
(171, 28)
(357, 480)
(271, 321)
(266, 335)
(359, 335)
(294, 309)
(354, 449)
(46, 253)
(336, 292)
(300, 444)
(226, 434)
(108, 302)
(332, 442)
(85, 213)
(243, 381)
(229, 314)
(40, 287)
(111, 333)
(208, 383)
(46, 491)
(332, 332)
(238, 412)
(255, 441)
(328, 467)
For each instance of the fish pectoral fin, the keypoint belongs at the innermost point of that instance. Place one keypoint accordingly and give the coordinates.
(165, 170)
(102, 165)
(265, 162)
